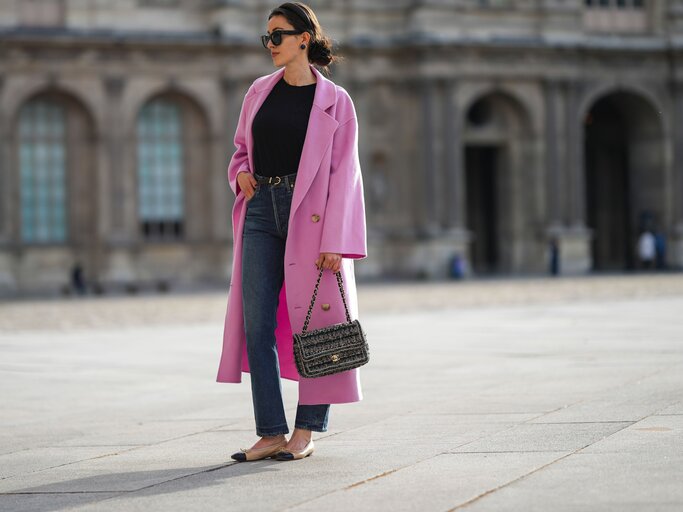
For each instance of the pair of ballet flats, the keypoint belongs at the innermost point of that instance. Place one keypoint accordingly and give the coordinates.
(276, 451)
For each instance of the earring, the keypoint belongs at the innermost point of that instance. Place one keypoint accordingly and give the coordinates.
(303, 46)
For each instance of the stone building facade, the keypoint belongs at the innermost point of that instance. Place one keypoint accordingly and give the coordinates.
(487, 129)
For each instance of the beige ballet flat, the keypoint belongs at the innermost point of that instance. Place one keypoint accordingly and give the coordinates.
(288, 455)
(249, 454)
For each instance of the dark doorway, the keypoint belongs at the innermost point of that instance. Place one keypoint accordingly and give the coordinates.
(482, 202)
(608, 196)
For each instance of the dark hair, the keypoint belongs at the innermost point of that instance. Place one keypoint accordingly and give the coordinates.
(302, 17)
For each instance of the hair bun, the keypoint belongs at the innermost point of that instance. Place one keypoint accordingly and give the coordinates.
(319, 52)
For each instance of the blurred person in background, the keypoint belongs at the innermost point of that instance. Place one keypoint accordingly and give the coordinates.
(646, 249)
(660, 249)
(77, 279)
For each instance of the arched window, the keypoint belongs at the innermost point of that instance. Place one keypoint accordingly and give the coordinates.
(160, 170)
(42, 171)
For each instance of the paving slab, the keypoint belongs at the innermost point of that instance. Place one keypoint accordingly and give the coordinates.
(49, 502)
(630, 401)
(53, 457)
(531, 437)
(676, 408)
(637, 468)
(129, 469)
(437, 483)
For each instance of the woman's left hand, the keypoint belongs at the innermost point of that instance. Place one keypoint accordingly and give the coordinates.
(329, 260)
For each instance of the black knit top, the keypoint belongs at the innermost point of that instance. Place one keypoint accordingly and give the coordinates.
(279, 128)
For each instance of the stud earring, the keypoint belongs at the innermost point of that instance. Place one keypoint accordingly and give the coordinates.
(303, 46)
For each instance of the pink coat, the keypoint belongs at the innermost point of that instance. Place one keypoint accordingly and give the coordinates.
(327, 215)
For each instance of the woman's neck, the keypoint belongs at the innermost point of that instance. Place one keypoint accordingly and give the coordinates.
(298, 75)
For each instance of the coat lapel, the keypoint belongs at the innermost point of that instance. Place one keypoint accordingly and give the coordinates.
(319, 133)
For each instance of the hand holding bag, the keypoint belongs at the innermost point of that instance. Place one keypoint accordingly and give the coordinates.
(331, 349)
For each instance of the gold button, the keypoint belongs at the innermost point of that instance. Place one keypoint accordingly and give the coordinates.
(315, 217)
(325, 306)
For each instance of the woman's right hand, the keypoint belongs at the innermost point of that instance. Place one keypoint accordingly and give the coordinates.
(247, 183)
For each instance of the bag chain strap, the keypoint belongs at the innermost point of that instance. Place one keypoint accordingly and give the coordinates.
(315, 294)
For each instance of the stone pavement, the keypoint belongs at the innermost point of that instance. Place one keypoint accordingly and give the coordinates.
(518, 394)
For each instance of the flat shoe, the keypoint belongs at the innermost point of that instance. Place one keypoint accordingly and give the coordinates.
(249, 454)
(290, 455)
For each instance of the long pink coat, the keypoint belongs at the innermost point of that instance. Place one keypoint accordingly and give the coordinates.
(327, 215)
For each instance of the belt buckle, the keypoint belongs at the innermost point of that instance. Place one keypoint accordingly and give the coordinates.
(277, 182)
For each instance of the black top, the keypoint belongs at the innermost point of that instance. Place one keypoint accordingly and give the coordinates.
(279, 128)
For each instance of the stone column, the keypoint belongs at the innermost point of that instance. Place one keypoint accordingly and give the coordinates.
(456, 235)
(552, 163)
(553, 193)
(428, 223)
(113, 135)
(8, 281)
(575, 157)
(454, 160)
(5, 194)
(119, 262)
(676, 258)
(575, 247)
(443, 192)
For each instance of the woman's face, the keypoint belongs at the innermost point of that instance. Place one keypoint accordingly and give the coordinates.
(289, 50)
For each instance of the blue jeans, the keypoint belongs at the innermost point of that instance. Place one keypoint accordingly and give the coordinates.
(263, 254)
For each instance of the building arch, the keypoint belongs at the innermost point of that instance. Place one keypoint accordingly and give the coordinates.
(62, 89)
(178, 154)
(194, 141)
(625, 174)
(524, 110)
(142, 95)
(501, 179)
(53, 183)
(601, 90)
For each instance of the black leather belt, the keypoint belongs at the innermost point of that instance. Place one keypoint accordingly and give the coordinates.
(287, 179)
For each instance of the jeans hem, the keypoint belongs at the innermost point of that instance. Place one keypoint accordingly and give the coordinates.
(314, 428)
(276, 431)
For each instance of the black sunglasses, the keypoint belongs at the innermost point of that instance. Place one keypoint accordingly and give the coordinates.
(276, 37)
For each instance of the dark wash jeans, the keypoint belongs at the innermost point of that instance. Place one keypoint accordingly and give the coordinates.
(263, 254)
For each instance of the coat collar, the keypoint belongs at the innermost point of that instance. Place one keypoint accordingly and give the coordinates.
(319, 133)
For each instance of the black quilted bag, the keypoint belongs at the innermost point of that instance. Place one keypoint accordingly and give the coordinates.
(331, 349)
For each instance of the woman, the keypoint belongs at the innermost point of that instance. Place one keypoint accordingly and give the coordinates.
(299, 207)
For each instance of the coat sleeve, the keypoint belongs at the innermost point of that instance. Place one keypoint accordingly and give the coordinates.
(240, 158)
(344, 229)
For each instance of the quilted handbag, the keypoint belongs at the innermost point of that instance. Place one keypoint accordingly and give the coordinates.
(333, 348)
